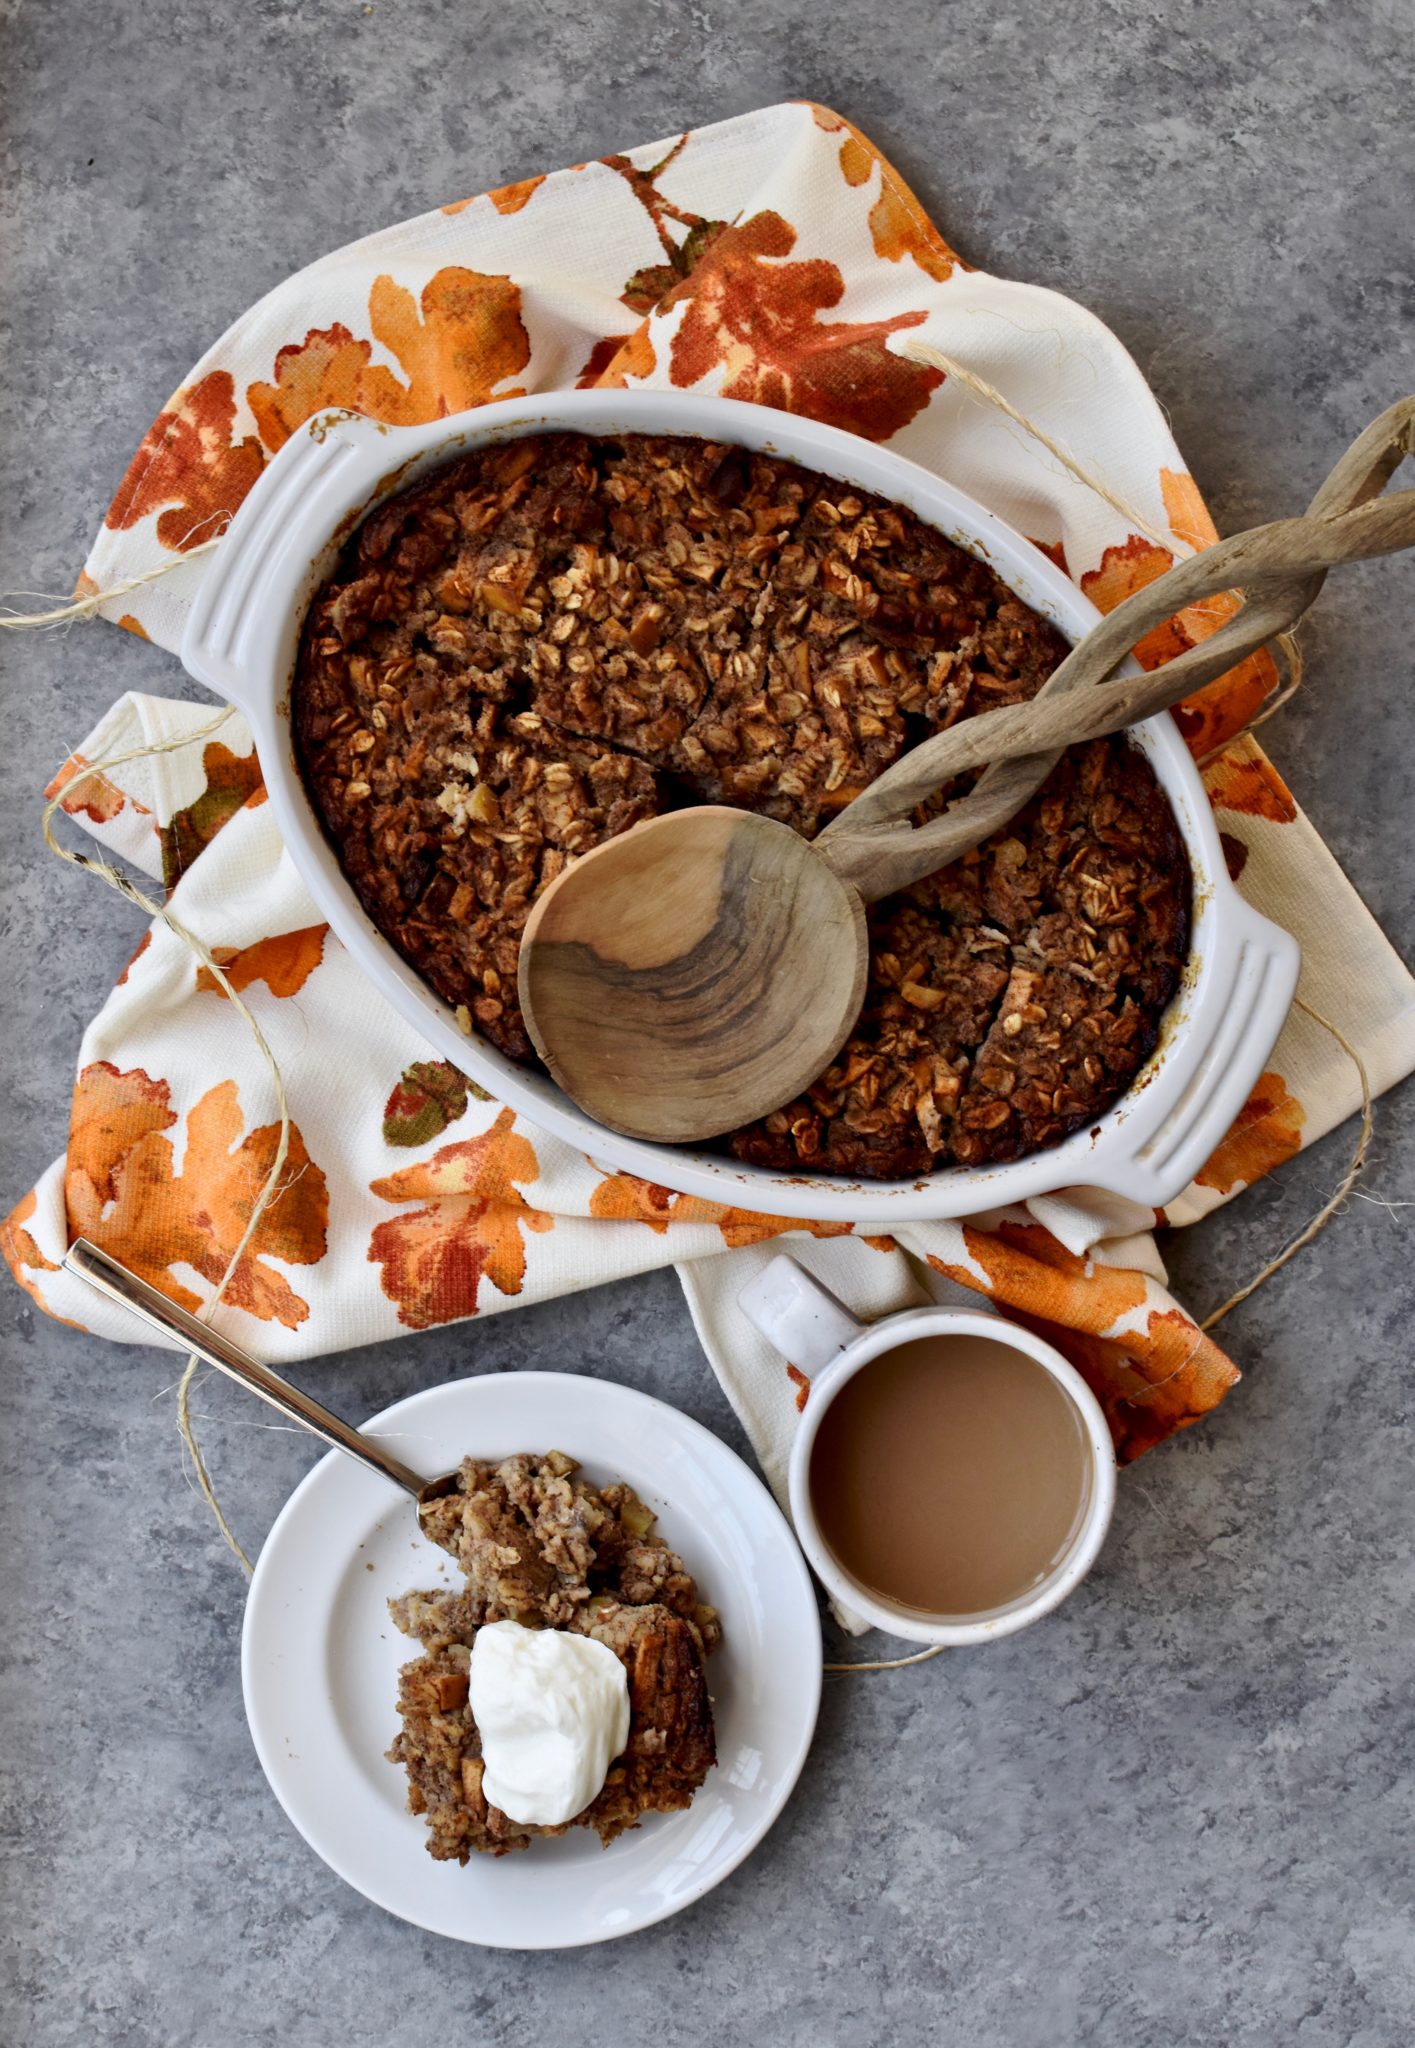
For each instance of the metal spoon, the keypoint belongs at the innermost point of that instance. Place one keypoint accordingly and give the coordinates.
(154, 1308)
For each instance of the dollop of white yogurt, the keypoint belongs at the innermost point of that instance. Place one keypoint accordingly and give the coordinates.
(553, 1713)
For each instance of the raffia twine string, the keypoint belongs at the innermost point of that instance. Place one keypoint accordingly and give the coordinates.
(88, 606)
(125, 886)
(92, 602)
(925, 352)
(1338, 1195)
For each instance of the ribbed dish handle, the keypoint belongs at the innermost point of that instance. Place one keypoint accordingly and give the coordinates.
(1174, 1134)
(284, 524)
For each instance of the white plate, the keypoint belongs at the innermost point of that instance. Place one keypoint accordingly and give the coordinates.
(320, 1658)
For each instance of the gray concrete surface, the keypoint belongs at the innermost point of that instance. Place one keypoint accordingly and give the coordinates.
(1180, 1812)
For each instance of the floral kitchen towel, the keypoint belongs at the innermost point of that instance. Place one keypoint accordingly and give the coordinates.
(776, 258)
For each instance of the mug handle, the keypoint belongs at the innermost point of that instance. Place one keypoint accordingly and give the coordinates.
(805, 1322)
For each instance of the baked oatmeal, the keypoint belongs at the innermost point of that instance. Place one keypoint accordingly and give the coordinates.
(1012, 996)
(538, 1545)
(546, 642)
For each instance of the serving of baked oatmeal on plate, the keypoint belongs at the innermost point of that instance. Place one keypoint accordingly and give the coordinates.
(541, 1551)
(713, 1590)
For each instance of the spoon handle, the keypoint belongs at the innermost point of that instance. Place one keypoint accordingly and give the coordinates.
(153, 1307)
(1279, 568)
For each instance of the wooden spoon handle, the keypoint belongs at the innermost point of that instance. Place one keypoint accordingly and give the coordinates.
(1280, 568)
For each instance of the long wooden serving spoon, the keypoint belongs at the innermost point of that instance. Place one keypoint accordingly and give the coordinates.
(704, 968)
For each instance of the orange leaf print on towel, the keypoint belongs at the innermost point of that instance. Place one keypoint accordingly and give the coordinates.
(625, 1198)
(637, 358)
(188, 469)
(1214, 714)
(616, 358)
(110, 1116)
(1130, 566)
(757, 319)
(899, 226)
(1265, 1132)
(133, 958)
(1223, 707)
(121, 1189)
(284, 963)
(20, 1252)
(89, 796)
(512, 198)
(856, 160)
(325, 370)
(899, 230)
(1053, 550)
(1250, 785)
(1151, 1380)
(505, 198)
(435, 1258)
(599, 359)
(456, 344)
(1186, 511)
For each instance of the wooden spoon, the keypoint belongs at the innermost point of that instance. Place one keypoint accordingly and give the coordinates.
(702, 969)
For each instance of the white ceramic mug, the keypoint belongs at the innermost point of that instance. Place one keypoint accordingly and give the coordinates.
(817, 1333)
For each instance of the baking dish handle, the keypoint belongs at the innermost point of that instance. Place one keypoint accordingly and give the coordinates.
(235, 629)
(1178, 1124)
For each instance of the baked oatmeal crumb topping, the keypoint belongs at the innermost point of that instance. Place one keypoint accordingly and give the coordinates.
(549, 641)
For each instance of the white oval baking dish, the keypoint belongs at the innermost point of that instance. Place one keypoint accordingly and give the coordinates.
(241, 642)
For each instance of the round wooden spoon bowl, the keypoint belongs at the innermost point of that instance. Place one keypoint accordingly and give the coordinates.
(671, 978)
